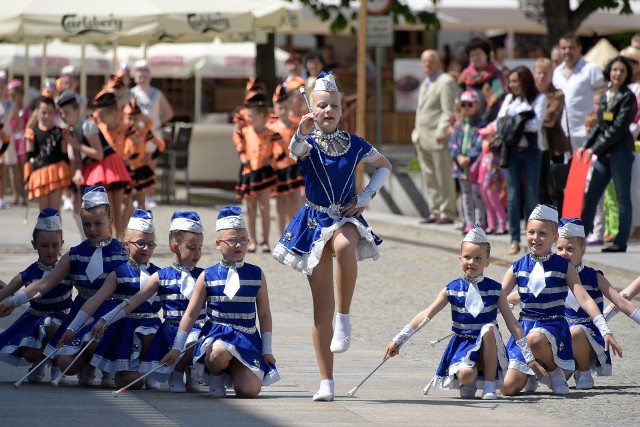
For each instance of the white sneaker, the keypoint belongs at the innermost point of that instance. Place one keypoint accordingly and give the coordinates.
(559, 384)
(326, 391)
(67, 204)
(38, 375)
(468, 391)
(531, 385)
(342, 334)
(489, 391)
(151, 384)
(57, 373)
(216, 386)
(176, 382)
(107, 380)
(584, 380)
(87, 375)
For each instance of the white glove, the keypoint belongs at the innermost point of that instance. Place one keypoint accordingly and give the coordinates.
(375, 184)
(299, 146)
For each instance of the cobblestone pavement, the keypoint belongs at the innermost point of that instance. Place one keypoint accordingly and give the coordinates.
(416, 262)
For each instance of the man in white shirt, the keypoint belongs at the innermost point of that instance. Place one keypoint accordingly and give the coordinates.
(580, 81)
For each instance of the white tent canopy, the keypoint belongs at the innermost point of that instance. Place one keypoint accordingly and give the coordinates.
(58, 55)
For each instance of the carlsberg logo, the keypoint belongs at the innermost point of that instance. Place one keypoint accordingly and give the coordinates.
(206, 23)
(91, 24)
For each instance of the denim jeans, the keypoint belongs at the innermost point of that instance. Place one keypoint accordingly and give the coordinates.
(616, 166)
(523, 177)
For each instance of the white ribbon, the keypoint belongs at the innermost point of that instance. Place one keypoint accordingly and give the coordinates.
(536, 279)
(94, 268)
(144, 277)
(473, 303)
(232, 285)
(571, 301)
(187, 284)
(45, 273)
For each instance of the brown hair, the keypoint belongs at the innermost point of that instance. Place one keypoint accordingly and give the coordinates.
(179, 236)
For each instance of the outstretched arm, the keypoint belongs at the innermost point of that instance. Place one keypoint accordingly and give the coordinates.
(14, 286)
(266, 324)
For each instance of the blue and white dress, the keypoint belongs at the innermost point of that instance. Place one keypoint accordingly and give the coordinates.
(232, 322)
(589, 278)
(544, 313)
(113, 254)
(120, 346)
(174, 304)
(330, 184)
(463, 349)
(28, 331)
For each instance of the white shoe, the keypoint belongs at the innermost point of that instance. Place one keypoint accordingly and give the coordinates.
(326, 391)
(151, 203)
(584, 380)
(87, 375)
(151, 384)
(468, 391)
(559, 384)
(67, 204)
(107, 380)
(216, 386)
(545, 379)
(57, 373)
(191, 383)
(531, 385)
(4, 204)
(38, 375)
(489, 391)
(176, 382)
(342, 334)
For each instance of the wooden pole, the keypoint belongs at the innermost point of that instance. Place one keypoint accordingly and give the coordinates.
(361, 103)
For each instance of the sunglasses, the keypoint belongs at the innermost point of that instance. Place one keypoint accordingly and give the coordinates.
(467, 104)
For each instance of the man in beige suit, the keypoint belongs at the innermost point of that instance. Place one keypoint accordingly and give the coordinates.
(431, 138)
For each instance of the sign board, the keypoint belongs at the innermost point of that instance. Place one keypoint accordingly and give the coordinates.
(379, 31)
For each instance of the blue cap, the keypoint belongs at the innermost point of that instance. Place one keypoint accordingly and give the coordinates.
(230, 217)
(186, 221)
(570, 227)
(94, 196)
(49, 220)
(141, 220)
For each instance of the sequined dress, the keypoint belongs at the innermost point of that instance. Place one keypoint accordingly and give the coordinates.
(463, 349)
(113, 254)
(28, 331)
(589, 278)
(121, 345)
(330, 184)
(232, 322)
(544, 313)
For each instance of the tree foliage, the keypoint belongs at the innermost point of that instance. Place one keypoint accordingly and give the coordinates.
(341, 15)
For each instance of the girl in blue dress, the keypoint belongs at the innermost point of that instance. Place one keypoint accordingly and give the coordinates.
(87, 265)
(543, 279)
(475, 357)
(236, 296)
(586, 340)
(126, 340)
(330, 222)
(174, 286)
(23, 342)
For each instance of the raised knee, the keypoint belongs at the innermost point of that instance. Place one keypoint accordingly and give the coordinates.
(509, 390)
(537, 339)
(490, 334)
(467, 376)
(247, 391)
(577, 332)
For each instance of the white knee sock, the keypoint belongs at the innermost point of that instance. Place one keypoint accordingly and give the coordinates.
(342, 333)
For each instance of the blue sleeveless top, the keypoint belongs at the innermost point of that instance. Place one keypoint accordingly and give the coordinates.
(550, 302)
(462, 322)
(589, 279)
(128, 279)
(56, 300)
(113, 255)
(239, 312)
(173, 302)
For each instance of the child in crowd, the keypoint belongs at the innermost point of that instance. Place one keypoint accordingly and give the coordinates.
(138, 132)
(492, 184)
(587, 342)
(23, 342)
(331, 222)
(476, 354)
(465, 146)
(543, 279)
(257, 177)
(289, 182)
(47, 170)
(87, 265)
(174, 286)
(236, 295)
(125, 342)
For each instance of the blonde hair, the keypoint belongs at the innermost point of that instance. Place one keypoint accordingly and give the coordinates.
(543, 62)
